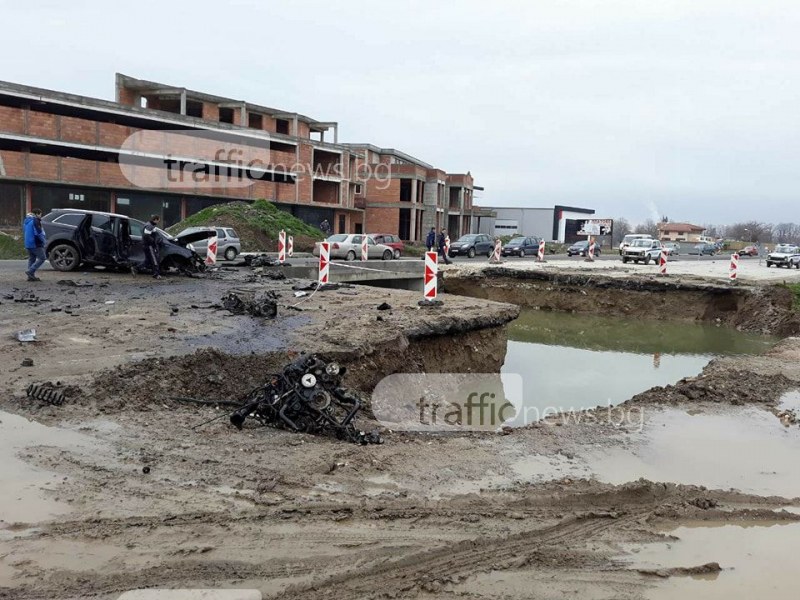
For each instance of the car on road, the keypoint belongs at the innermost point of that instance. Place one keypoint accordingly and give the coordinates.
(521, 246)
(703, 249)
(228, 243)
(784, 255)
(348, 247)
(388, 239)
(673, 248)
(471, 245)
(84, 237)
(643, 250)
(749, 251)
(628, 240)
(582, 249)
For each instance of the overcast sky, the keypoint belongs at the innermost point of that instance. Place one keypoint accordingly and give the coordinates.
(635, 108)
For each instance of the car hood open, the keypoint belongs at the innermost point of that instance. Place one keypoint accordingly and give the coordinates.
(195, 236)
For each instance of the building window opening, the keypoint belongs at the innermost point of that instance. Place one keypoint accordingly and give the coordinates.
(226, 115)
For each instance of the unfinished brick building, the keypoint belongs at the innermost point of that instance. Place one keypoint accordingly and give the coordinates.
(404, 195)
(60, 150)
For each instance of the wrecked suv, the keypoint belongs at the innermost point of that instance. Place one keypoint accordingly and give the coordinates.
(84, 237)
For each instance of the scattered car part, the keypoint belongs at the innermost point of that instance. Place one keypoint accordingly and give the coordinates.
(250, 302)
(27, 335)
(46, 393)
(306, 397)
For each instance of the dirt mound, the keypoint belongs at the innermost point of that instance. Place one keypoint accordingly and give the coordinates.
(258, 225)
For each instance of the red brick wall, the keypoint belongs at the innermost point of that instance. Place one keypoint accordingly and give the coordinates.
(12, 120)
(77, 130)
(42, 124)
(14, 163)
(383, 220)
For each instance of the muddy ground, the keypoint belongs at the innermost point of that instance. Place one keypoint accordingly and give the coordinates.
(547, 511)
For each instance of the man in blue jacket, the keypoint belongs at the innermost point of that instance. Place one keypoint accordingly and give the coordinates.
(34, 242)
(430, 241)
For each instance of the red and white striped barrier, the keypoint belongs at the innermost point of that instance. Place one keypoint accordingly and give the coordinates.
(447, 245)
(324, 262)
(282, 246)
(364, 248)
(590, 256)
(663, 262)
(734, 266)
(431, 281)
(495, 256)
(540, 255)
(211, 251)
(290, 247)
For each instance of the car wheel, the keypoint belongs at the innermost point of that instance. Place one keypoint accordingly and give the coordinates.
(646, 260)
(65, 257)
(230, 253)
(769, 264)
(624, 260)
(471, 253)
(350, 256)
(387, 255)
(522, 253)
(397, 253)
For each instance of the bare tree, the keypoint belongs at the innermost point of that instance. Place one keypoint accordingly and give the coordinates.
(649, 227)
(751, 231)
(786, 233)
(622, 227)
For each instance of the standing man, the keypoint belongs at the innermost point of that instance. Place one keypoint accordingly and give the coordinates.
(150, 242)
(442, 249)
(430, 240)
(35, 239)
(325, 227)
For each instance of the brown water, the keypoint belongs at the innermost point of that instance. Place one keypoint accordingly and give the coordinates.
(758, 560)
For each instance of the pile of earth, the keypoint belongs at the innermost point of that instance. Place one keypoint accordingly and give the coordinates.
(258, 225)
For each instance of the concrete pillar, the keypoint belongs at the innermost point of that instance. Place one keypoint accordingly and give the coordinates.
(183, 102)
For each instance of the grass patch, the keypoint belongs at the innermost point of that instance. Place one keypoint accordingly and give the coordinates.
(258, 225)
(11, 248)
(795, 289)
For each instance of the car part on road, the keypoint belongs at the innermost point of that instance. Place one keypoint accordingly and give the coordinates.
(27, 335)
(250, 302)
(45, 393)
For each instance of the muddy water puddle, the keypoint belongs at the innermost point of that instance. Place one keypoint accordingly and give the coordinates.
(572, 361)
(28, 493)
(757, 558)
(746, 449)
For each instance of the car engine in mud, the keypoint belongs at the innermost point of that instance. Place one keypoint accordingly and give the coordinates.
(308, 397)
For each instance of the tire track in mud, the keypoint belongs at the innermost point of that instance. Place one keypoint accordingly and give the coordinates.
(454, 563)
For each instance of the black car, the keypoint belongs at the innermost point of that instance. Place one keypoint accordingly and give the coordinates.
(472, 244)
(521, 246)
(582, 249)
(76, 237)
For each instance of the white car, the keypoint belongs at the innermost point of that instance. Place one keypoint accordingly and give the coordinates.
(642, 249)
(348, 247)
(784, 255)
(630, 238)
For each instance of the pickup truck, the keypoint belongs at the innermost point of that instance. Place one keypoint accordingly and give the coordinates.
(643, 250)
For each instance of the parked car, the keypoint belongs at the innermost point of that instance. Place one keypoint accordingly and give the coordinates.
(628, 240)
(749, 251)
(348, 247)
(393, 241)
(673, 248)
(471, 245)
(76, 237)
(784, 255)
(644, 250)
(703, 249)
(582, 249)
(228, 243)
(521, 246)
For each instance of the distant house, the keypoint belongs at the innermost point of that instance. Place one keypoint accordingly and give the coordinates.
(680, 232)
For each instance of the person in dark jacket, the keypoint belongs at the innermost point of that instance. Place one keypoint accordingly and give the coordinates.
(150, 243)
(430, 241)
(442, 250)
(35, 240)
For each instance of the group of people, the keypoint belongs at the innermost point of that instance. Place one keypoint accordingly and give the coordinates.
(438, 244)
(35, 240)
